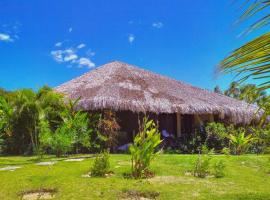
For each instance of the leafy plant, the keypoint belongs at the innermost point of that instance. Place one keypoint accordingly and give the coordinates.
(226, 151)
(219, 167)
(62, 140)
(202, 166)
(101, 165)
(144, 146)
(109, 128)
(216, 135)
(262, 139)
(239, 141)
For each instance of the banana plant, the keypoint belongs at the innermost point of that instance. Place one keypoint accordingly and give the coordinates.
(143, 149)
(240, 142)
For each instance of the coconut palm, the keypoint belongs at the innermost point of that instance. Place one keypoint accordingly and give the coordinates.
(252, 59)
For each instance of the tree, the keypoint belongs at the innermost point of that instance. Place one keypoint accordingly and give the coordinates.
(248, 93)
(252, 59)
(217, 90)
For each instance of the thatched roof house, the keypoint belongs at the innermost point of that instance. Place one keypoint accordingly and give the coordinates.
(123, 87)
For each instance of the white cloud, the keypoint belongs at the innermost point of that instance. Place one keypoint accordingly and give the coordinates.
(70, 29)
(82, 45)
(73, 56)
(64, 55)
(70, 57)
(69, 51)
(157, 25)
(58, 44)
(86, 62)
(90, 53)
(5, 37)
(131, 38)
(57, 55)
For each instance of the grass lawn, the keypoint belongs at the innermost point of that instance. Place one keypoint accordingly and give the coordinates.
(247, 177)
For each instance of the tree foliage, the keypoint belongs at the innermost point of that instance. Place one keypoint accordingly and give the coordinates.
(252, 59)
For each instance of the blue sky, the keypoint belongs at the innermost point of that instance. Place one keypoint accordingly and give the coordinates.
(50, 42)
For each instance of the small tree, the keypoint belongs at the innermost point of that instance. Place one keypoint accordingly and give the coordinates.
(143, 148)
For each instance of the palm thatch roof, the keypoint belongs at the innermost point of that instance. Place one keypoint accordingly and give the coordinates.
(121, 86)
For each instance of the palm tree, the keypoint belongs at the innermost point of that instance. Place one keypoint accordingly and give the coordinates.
(252, 59)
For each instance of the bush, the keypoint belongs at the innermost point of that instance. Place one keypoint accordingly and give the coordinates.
(143, 149)
(219, 167)
(202, 166)
(261, 143)
(109, 129)
(216, 136)
(101, 165)
(226, 151)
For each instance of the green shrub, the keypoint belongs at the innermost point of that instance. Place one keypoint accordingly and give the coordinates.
(143, 148)
(226, 151)
(101, 165)
(202, 166)
(216, 136)
(62, 140)
(219, 167)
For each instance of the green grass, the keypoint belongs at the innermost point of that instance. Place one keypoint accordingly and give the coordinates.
(247, 177)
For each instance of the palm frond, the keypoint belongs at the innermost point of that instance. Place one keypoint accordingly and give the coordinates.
(251, 60)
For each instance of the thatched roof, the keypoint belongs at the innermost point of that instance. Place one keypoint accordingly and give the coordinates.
(120, 86)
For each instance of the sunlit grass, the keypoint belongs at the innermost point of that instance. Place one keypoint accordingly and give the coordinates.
(247, 177)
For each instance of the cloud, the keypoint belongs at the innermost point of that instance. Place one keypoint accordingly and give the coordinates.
(64, 55)
(74, 56)
(90, 53)
(57, 55)
(58, 44)
(157, 25)
(82, 45)
(86, 62)
(131, 38)
(70, 57)
(5, 37)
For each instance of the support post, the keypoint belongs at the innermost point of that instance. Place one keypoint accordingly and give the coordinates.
(178, 124)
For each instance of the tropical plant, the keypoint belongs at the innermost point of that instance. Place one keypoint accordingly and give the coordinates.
(6, 113)
(45, 135)
(219, 167)
(101, 165)
(109, 128)
(239, 141)
(216, 136)
(261, 143)
(78, 127)
(248, 93)
(252, 59)
(202, 166)
(144, 146)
